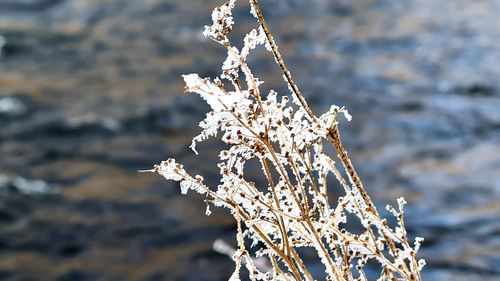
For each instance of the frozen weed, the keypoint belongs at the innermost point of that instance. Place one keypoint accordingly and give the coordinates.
(294, 210)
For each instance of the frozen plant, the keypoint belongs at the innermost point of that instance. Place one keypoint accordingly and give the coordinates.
(294, 209)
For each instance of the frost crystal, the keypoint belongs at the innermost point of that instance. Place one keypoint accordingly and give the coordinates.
(170, 170)
(252, 40)
(185, 186)
(222, 19)
(208, 212)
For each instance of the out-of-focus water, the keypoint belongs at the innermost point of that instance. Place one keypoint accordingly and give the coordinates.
(90, 92)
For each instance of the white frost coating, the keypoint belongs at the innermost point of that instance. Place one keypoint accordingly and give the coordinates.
(252, 40)
(192, 80)
(206, 89)
(347, 116)
(170, 170)
(359, 249)
(232, 64)
(401, 203)
(185, 186)
(235, 276)
(208, 212)
(174, 171)
(232, 59)
(252, 11)
(330, 117)
(189, 184)
(211, 93)
(421, 264)
(418, 243)
(222, 19)
(268, 46)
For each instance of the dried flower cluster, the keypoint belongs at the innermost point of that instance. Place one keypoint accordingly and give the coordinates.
(294, 210)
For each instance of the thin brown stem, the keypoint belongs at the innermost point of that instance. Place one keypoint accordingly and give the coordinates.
(281, 61)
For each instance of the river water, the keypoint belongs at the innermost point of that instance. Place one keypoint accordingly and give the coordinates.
(90, 92)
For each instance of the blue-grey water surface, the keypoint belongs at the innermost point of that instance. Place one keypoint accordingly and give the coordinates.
(90, 92)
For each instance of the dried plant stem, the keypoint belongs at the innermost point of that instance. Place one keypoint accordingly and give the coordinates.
(290, 262)
(293, 210)
(334, 137)
(280, 60)
(334, 134)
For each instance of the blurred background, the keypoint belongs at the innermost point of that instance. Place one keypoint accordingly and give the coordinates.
(90, 92)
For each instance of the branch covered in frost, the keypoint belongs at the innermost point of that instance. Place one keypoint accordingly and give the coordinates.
(294, 209)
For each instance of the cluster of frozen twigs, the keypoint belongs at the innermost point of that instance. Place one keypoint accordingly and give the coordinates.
(294, 210)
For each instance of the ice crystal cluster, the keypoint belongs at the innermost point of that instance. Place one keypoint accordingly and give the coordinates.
(295, 209)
